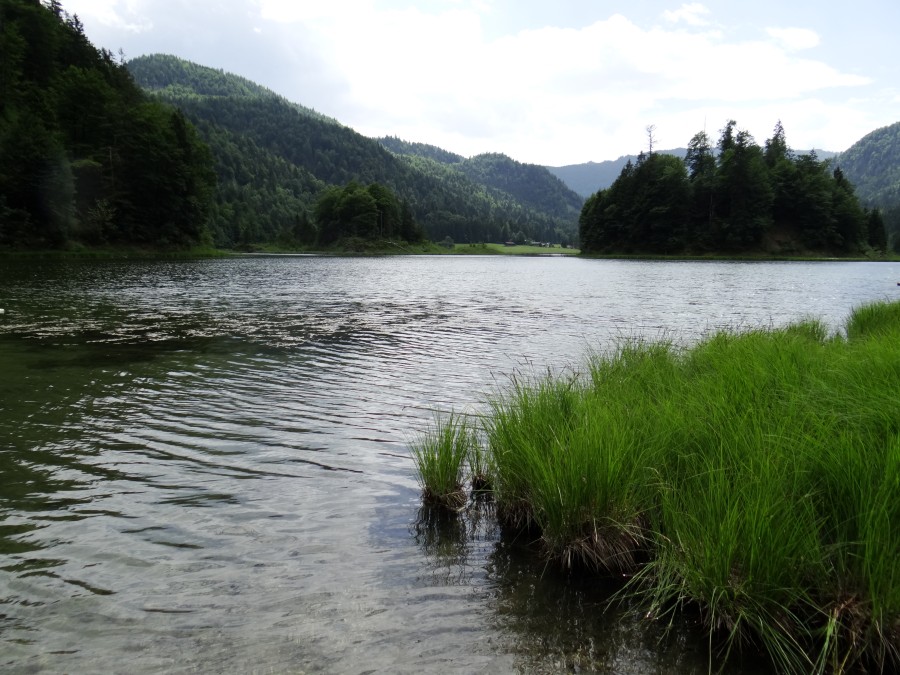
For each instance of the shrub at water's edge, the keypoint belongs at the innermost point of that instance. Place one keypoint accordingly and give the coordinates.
(751, 478)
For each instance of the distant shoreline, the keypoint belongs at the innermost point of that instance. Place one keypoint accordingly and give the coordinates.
(419, 249)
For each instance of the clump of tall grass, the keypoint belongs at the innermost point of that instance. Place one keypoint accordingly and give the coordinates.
(881, 317)
(480, 473)
(753, 478)
(571, 461)
(771, 517)
(440, 456)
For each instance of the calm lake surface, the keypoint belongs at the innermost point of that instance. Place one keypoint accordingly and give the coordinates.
(204, 465)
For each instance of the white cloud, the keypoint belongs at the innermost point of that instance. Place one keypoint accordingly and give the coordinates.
(449, 74)
(124, 15)
(541, 94)
(693, 14)
(794, 39)
(291, 11)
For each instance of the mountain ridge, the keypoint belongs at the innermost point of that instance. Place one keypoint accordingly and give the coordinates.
(484, 197)
(492, 203)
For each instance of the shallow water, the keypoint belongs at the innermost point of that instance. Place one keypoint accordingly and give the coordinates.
(205, 466)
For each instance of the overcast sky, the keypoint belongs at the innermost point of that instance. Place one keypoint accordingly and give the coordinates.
(549, 82)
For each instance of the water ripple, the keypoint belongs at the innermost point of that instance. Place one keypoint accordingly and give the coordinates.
(205, 463)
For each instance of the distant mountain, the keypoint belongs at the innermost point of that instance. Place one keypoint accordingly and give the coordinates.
(274, 157)
(586, 179)
(872, 164)
(532, 185)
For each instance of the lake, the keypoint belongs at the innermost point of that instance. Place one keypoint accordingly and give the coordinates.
(205, 464)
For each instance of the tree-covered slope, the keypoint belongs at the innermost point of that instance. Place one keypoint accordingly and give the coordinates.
(162, 72)
(532, 185)
(872, 164)
(316, 151)
(401, 147)
(85, 156)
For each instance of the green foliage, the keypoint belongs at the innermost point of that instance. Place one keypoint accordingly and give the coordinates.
(369, 213)
(743, 193)
(644, 210)
(872, 164)
(440, 456)
(738, 198)
(752, 476)
(401, 147)
(85, 157)
(876, 230)
(275, 157)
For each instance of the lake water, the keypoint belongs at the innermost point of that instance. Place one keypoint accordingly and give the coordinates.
(204, 465)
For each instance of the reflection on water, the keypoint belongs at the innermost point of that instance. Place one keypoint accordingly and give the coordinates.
(204, 465)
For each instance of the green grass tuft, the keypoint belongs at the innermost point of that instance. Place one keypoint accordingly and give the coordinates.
(440, 457)
(753, 477)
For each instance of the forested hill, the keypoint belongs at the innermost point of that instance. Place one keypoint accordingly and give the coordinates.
(86, 158)
(531, 184)
(274, 158)
(172, 75)
(873, 165)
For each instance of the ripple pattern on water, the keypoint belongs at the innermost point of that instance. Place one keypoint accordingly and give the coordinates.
(204, 464)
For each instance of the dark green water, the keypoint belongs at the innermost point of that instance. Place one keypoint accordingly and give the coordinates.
(204, 465)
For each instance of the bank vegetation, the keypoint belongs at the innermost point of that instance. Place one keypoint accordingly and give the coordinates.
(750, 479)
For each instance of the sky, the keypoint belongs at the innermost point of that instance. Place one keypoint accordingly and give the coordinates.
(546, 82)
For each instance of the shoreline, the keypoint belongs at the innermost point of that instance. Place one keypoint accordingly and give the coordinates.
(429, 249)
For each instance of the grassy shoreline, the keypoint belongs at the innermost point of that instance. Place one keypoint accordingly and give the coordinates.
(752, 478)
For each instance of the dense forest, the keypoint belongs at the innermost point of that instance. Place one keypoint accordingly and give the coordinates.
(85, 156)
(275, 158)
(735, 197)
(585, 179)
(873, 165)
(530, 184)
(163, 152)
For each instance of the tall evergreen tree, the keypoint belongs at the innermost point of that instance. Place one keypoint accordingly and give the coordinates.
(84, 155)
(730, 202)
(745, 208)
(877, 233)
